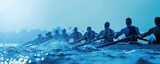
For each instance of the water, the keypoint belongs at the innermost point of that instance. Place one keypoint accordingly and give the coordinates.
(62, 53)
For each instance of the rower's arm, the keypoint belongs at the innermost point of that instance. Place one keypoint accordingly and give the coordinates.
(84, 36)
(112, 33)
(80, 35)
(70, 36)
(150, 31)
(119, 34)
(100, 34)
(137, 30)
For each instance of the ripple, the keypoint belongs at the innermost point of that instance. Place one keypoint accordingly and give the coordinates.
(81, 55)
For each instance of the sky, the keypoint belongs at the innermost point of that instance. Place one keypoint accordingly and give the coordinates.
(16, 15)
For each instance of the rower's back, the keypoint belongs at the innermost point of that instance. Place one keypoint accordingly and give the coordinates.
(155, 30)
(56, 35)
(89, 35)
(107, 33)
(129, 31)
(40, 38)
(75, 35)
(64, 36)
(133, 30)
(48, 36)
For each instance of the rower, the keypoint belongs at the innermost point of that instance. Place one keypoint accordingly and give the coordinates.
(75, 35)
(89, 35)
(48, 36)
(64, 36)
(129, 31)
(40, 39)
(155, 30)
(107, 33)
(56, 35)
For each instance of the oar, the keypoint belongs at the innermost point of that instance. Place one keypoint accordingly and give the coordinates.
(87, 42)
(81, 39)
(93, 40)
(114, 42)
(30, 43)
(76, 41)
(26, 44)
(122, 41)
(143, 39)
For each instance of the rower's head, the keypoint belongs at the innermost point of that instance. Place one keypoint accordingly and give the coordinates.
(49, 33)
(107, 25)
(75, 29)
(129, 22)
(157, 21)
(89, 28)
(64, 31)
(56, 32)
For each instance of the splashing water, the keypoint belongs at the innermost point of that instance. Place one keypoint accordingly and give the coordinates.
(52, 44)
(53, 52)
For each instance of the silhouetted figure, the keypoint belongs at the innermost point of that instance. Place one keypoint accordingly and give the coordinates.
(56, 35)
(89, 35)
(155, 30)
(40, 39)
(76, 34)
(64, 36)
(107, 33)
(129, 31)
(48, 36)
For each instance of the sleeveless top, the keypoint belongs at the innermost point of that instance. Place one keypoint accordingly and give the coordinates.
(156, 32)
(132, 31)
(108, 38)
(89, 35)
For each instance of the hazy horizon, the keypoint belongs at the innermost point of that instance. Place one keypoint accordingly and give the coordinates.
(16, 15)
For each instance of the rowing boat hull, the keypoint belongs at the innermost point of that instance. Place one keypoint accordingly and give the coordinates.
(124, 46)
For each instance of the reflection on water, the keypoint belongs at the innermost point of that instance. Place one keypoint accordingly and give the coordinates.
(64, 54)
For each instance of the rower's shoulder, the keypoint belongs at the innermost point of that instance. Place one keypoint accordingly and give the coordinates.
(79, 32)
(111, 29)
(124, 29)
(136, 27)
(93, 31)
(102, 31)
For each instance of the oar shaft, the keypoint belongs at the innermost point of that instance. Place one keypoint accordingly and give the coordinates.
(94, 40)
(113, 42)
(88, 42)
(143, 39)
(81, 39)
(121, 41)
(77, 41)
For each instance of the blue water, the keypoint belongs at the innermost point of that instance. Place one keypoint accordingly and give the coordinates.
(62, 53)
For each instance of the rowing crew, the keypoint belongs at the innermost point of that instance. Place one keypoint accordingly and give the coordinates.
(108, 34)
